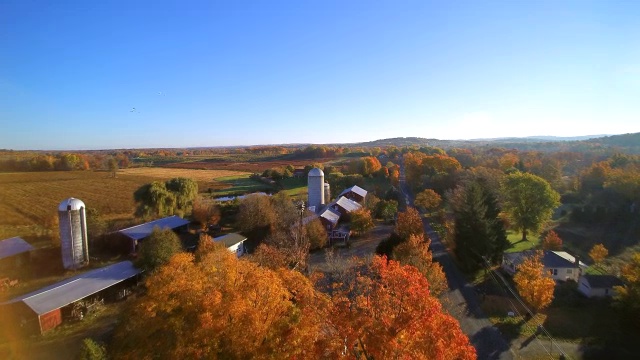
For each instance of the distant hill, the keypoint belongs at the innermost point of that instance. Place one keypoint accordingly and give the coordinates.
(629, 143)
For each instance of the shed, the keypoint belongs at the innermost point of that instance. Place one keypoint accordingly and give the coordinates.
(329, 218)
(234, 242)
(42, 309)
(598, 285)
(355, 193)
(14, 253)
(142, 231)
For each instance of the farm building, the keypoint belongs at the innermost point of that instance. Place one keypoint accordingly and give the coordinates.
(559, 264)
(598, 285)
(44, 309)
(234, 242)
(142, 231)
(345, 206)
(354, 193)
(329, 218)
(14, 252)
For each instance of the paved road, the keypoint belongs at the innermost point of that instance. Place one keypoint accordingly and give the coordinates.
(461, 300)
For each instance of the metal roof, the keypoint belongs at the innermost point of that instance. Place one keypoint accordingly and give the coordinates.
(330, 215)
(348, 204)
(70, 204)
(13, 246)
(144, 230)
(230, 239)
(355, 189)
(77, 288)
(603, 281)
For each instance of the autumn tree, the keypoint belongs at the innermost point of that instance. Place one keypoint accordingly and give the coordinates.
(628, 296)
(317, 234)
(389, 312)
(533, 283)
(166, 198)
(428, 199)
(552, 241)
(598, 253)
(386, 209)
(112, 166)
(255, 212)
(529, 200)
(158, 248)
(409, 223)
(206, 213)
(361, 221)
(224, 308)
(415, 252)
(479, 233)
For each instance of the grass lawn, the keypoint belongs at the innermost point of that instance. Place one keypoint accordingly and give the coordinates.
(238, 185)
(295, 188)
(515, 238)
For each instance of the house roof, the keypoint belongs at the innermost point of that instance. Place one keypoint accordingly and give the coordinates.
(76, 288)
(550, 259)
(13, 246)
(144, 230)
(355, 189)
(603, 281)
(330, 215)
(230, 239)
(348, 204)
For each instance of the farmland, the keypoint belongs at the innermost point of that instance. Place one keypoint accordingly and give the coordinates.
(30, 199)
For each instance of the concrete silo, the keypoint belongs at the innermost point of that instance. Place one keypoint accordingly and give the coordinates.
(73, 233)
(315, 188)
(327, 193)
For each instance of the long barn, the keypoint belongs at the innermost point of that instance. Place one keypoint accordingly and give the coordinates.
(41, 310)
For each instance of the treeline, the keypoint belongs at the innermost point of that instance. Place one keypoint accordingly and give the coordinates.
(63, 162)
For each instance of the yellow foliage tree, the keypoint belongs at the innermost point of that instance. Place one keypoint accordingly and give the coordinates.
(534, 285)
(598, 253)
(415, 252)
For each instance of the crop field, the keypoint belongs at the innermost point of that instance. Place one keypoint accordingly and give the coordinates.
(29, 199)
(253, 166)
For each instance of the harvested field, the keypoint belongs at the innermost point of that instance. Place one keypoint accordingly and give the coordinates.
(253, 167)
(169, 173)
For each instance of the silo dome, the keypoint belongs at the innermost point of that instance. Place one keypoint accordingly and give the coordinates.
(316, 172)
(70, 204)
(315, 188)
(73, 233)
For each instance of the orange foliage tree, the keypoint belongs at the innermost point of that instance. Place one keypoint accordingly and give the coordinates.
(409, 223)
(534, 285)
(415, 252)
(552, 241)
(428, 199)
(388, 312)
(598, 253)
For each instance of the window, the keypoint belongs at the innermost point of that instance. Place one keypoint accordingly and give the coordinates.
(554, 272)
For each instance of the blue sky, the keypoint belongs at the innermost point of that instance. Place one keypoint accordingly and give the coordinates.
(217, 73)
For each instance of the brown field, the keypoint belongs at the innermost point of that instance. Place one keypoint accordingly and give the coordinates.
(253, 167)
(29, 199)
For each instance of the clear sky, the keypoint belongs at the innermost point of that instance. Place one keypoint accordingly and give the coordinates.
(131, 74)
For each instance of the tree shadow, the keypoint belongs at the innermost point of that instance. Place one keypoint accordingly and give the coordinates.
(489, 343)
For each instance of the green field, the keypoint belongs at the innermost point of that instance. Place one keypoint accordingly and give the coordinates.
(239, 185)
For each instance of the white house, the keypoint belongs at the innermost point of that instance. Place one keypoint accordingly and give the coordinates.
(559, 264)
(598, 285)
(234, 242)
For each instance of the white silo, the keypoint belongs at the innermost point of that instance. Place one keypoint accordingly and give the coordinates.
(315, 188)
(327, 193)
(73, 233)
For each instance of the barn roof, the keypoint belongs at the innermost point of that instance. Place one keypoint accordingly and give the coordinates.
(77, 288)
(144, 230)
(230, 239)
(348, 204)
(13, 246)
(331, 215)
(603, 281)
(355, 189)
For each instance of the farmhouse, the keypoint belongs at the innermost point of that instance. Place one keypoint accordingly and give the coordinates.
(44, 309)
(354, 193)
(142, 231)
(598, 285)
(234, 242)
(14, 252)
(559, 264)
